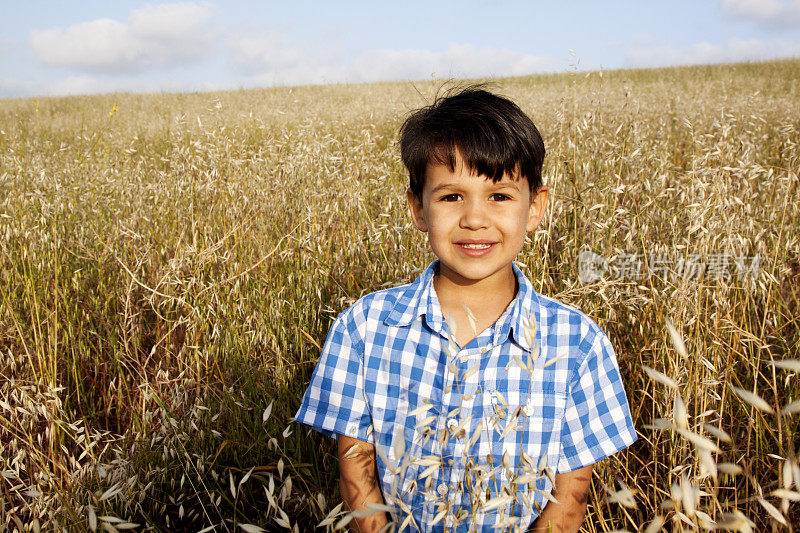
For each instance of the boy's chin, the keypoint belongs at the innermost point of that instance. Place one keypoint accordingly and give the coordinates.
(470, 274)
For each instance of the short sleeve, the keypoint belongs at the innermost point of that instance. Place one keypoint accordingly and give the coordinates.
(334, 402)
(597, 419)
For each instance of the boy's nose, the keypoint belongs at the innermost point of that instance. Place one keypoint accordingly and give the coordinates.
(474, 215)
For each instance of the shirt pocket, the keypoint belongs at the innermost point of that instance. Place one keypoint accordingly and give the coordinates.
(528, 422)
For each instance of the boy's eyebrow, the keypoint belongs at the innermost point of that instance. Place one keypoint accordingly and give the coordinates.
(442, 186)
(509, 184)
(499, 185)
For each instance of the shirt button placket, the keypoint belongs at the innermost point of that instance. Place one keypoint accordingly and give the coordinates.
(484, 346)
(457, 445)
(448, 395)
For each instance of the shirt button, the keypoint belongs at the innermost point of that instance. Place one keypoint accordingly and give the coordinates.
(442, 489)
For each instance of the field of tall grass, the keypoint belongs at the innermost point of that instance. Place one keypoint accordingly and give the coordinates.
(170, 265)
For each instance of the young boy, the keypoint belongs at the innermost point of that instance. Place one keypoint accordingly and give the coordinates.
(459, 400)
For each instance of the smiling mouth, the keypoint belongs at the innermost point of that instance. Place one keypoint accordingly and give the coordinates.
(475, 246)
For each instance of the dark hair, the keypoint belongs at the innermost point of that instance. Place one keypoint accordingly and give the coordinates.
(493, 135)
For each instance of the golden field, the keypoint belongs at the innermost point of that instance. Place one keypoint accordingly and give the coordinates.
(170, 265)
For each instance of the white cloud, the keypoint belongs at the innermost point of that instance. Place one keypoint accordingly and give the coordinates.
(170, 22)
(92, 85)
(457, 60)
(704, 52)
(87, 84)
(153, 35)
(82, 85)
(10, 88)
(776, 13)
(174, 32)
(273, 59)
(102, 44)
(264, 51)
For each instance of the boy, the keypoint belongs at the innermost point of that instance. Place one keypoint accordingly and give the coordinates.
(459, 400)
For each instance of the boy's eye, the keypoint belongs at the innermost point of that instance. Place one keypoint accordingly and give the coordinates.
(499, 197)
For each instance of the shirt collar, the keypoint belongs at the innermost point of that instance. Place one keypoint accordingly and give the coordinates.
(419, 298)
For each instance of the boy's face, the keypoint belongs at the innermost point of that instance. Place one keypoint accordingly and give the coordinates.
(475, 227)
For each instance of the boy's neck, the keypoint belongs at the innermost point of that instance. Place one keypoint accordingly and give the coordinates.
(489, 296)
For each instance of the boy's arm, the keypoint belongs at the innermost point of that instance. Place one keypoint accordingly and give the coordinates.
(572, 489)
(359, 483)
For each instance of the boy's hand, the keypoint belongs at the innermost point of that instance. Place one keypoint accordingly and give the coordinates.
(572, 489)
(359, 483)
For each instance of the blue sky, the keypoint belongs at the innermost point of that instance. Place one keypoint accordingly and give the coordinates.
(71, 47)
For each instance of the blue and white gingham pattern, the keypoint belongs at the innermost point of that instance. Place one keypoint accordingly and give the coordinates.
(537, 393)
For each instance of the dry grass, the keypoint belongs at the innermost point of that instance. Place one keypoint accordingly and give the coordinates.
(170, 264)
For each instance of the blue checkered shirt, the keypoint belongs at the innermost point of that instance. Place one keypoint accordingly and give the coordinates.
(469, 438)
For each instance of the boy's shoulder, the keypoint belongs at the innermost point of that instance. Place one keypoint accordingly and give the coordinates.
(391, 307)
(560, 316)
(565, 326)
(373, 309)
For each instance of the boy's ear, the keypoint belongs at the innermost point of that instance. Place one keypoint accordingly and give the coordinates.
(415, 210)
(538, 208)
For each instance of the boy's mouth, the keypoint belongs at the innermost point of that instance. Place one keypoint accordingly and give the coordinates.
(476, 247)
(475, 243)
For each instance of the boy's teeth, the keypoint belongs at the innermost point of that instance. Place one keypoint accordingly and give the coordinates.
(476, 246)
